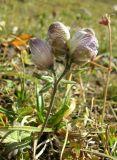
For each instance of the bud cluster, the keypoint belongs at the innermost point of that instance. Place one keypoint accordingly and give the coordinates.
(81, 47)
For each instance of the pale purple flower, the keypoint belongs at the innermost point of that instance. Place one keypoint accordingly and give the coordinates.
(83, 46)
(41, 54)
(58, 35)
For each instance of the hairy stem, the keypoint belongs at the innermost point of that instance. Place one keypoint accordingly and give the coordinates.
(56, 83)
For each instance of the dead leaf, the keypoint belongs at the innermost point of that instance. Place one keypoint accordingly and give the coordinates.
(71, 108)
(20, 40)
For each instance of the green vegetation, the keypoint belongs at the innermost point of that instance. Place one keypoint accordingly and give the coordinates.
(76, 128)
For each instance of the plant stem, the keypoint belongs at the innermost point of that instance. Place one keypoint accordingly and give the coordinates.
(109, 70)
(98, 153)
(82, 88)
(56, 83)
(65, 142)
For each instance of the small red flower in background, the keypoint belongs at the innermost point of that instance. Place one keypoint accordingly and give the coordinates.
(105, 20)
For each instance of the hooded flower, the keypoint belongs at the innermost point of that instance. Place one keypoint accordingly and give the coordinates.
(58, 35)
(83, 46)
(41, 54)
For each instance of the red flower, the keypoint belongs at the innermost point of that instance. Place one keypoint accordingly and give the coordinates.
(105, 20)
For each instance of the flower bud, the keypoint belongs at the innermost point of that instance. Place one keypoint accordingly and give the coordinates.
(41, 54)
(83, 46)
(58, 35)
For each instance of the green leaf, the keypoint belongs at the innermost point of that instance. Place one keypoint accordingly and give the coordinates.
(10, 114)
(24, 111)
(39, 105)
(57, 117)
(26, 57)
(44, 78)
(46, 87)
(10, 147)
(10, 83)
(24, 128)
(49, 79)
(14, 136)
(67, 81)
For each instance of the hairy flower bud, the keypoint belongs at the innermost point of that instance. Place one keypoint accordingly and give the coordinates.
(58, 35)
(41, 54)
(83, 46)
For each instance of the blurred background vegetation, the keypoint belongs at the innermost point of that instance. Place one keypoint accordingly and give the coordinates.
(34, 17)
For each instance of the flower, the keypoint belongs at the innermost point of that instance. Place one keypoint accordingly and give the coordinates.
(58, 35)
(105, 20)
(41, 54)
(83, 46)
